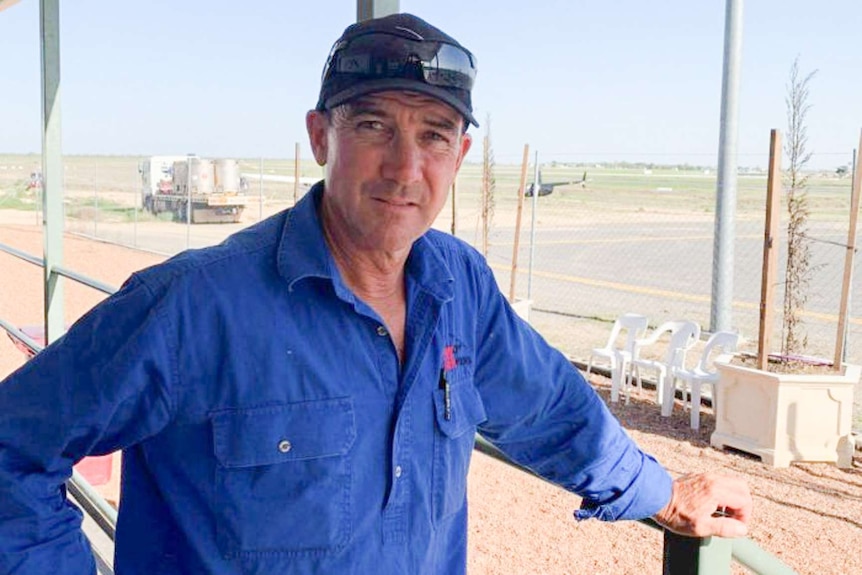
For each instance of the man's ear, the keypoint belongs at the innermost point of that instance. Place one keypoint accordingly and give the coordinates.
(317, 123)
(466, 141)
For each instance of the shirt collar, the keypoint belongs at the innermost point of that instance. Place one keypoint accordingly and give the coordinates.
(303, 253)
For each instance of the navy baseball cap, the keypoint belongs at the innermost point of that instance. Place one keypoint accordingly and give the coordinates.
(398, 52)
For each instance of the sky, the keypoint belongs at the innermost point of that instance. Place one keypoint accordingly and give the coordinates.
(579, 81)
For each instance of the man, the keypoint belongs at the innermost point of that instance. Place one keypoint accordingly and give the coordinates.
(303, 398)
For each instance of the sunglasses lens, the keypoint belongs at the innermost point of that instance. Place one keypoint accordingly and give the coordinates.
(452, 67)
(389, 56)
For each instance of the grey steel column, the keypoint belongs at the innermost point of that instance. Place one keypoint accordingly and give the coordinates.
(367, 9)
(52, 168)
(720, 316)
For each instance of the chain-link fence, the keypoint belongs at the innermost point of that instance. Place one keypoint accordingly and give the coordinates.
(632, 238)
(640, 239)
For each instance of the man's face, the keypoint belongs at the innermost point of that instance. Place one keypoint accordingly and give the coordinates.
(390, 160)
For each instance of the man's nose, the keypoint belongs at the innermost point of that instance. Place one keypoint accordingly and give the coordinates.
(403, 163)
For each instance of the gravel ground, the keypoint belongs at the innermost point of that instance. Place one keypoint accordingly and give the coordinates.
(809, 515)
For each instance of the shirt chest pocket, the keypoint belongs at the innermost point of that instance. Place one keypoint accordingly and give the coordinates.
(283, 477)
(453, 443)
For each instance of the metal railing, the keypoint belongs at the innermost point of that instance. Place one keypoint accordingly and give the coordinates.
(681, 555)
(59, 270)
(84, 495)
(688, 555)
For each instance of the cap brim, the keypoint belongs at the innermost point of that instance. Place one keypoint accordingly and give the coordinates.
(385, 84)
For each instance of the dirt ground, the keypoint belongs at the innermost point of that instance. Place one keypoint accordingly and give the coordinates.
(809, 515)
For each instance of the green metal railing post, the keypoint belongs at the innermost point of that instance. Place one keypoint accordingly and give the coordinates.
(696, 556)
(52, 167)
(747, 552)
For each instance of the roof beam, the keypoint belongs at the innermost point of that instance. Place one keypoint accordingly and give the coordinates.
(368, 9)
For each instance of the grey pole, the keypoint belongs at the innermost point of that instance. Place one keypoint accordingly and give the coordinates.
(849, 292)
(367, 9)
(720, 316)
(52, 168)
(533, 228)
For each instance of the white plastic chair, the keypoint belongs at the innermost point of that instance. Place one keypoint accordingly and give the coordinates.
(633, 325)
(683, 335)
(719, 347)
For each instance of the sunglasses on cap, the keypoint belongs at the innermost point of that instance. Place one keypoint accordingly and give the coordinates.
(377, 55)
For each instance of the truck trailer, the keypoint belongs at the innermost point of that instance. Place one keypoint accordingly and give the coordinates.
(213, 188)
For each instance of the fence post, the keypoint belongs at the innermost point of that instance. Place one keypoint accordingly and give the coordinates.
(188, 217)
(136, 197)
(296, 175)
(95, 203)
(260, 190)
(533, 227)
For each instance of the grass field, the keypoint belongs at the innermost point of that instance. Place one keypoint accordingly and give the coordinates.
(691, 190)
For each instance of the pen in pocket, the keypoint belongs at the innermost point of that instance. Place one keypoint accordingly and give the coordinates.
(447, 399)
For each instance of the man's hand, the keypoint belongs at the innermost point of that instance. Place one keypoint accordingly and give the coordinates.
(707, 504)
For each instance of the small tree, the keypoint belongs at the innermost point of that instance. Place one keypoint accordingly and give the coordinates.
(489, 185)
(798, 270)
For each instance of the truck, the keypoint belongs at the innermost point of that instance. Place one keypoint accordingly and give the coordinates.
(215, 189)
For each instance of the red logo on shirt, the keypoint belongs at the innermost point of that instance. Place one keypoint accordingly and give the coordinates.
(449, 361)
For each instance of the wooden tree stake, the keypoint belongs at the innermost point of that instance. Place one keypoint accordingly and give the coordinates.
(770, 249)
(848, 260)
(524, 165)
(454, 227)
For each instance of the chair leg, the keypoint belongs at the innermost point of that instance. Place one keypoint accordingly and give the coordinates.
(630, 381)
(627, 381)
(616, 376)
(666, 398)
(695, 404)
(640, 384)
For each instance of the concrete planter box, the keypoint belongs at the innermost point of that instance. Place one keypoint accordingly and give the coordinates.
(522, 307)
(786, 417)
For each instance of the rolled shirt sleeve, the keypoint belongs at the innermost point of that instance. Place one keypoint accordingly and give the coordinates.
(544, 415)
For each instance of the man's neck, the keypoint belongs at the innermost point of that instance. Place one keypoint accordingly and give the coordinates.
(375, 276)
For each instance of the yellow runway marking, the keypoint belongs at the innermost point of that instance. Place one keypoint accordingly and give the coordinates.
(675, 295)
(638, 239)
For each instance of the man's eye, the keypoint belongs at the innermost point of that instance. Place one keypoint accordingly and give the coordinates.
(373, 125)
(437, 136)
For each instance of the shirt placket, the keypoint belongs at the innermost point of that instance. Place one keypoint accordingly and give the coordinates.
(422, 320)
(396, 512)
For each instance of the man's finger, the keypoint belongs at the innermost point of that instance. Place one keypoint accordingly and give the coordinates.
(725, 527)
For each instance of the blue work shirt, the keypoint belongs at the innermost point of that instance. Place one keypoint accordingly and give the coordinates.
(268, 427)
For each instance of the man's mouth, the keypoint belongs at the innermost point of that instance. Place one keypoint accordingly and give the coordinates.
(396, 202)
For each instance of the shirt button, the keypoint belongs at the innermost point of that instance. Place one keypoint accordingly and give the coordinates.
(398, 471)
(381, 331)
(284, 446)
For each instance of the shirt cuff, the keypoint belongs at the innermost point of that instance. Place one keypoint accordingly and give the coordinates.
(647, 495)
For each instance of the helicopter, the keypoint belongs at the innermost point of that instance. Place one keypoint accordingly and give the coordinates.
(546, 188)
